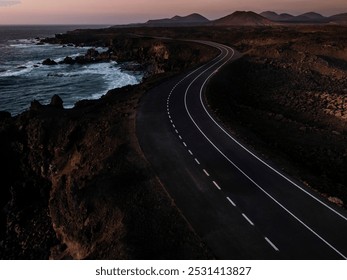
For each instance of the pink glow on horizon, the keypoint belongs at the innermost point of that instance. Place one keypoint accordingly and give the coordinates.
(130, 11)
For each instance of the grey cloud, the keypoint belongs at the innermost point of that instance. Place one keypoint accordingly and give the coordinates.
(4, 3)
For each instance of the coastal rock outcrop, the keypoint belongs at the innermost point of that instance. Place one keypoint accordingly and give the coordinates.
(68, 60)
(4, 115)
(75, 184)
(56, 102)
(49, 61)
(155, 56)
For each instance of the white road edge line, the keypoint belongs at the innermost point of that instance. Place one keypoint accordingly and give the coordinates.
(248, 220)
(249, 178)
(191, 73)
(232, 202)
(208, 175)
(262, 161)
(218, 187)
(272, 245)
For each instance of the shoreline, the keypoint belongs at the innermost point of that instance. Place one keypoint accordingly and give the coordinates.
(71, 66)
(86, 161)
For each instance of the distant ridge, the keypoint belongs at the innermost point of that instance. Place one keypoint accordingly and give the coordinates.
(192, 19)
(310, 17)
(339, 19)
(242, 18)
(276, 17)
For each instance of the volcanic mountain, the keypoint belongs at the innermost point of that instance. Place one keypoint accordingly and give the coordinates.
(340, 18)
(193, 19)
(242, 18)
(310, 17)
(276, 17)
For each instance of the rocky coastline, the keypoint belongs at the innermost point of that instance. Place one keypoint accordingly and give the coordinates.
(133, 52)
(75, 184)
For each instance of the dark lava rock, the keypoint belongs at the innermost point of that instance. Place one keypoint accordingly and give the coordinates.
(56, 101)
(35, 105)
(4, 115)
(49, 61)
(77, 187)
(132, 66)
(68, 60)
(82, 60)
(92, 53)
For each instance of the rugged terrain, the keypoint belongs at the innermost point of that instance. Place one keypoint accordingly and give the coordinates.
(287, 97)
(75, 183)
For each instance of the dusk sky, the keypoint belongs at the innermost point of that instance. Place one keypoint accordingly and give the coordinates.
(131, 11)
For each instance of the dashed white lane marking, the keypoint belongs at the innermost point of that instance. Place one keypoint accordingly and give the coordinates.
(272, 245)
(232, 202)
(248, 220)
(208, 175)
(247, 176)
(180, 137)
(218, 187)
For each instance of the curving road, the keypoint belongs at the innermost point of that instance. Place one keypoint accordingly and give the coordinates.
(241, 206)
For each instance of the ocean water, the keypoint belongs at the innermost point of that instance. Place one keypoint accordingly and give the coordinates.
(23, 78)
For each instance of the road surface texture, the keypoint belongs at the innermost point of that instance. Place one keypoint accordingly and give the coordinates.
(241, 206)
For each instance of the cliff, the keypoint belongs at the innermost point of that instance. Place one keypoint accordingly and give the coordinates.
(155, 56)
(74, 182)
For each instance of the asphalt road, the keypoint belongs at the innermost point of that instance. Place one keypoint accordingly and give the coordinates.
(241, 206)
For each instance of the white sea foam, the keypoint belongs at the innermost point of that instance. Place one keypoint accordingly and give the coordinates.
(112, 75)
(19, 70)
(25, 43)
(16, 72)
(71, 82)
